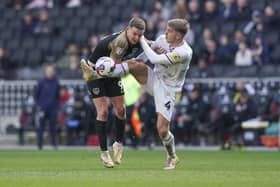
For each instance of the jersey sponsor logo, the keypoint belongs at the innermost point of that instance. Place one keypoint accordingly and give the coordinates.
(96, 91)
(175, 57)
(167, 105)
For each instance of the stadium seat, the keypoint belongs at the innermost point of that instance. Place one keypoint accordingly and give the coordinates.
(54, 13)
(227, 28)
(97, 12)
(57, 46)
(272, 38)
(90, 24)
(28, 43)
(250, 71)
(275, 55)
(104, 25)
(75, 23)
(67, 34)
(34, 58)
(13, 44)
(114, 13)
(122, 3)
(83, 12)
(15, 25)
(43, 43)
(19, 57)
(126, 13)
(258, 5)
(137, 5)
(81, 36)
(60, 22)
(149, 5)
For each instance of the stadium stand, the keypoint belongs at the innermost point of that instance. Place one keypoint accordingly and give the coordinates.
(32, 36)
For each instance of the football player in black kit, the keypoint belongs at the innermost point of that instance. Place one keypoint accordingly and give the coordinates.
(120, 47)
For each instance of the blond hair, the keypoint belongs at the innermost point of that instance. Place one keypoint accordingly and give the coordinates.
(138, 23)
(180, 25)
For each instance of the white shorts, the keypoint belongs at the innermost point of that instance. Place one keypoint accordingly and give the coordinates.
(164, 96)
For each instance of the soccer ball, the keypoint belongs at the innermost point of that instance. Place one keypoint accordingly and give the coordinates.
(105, 66)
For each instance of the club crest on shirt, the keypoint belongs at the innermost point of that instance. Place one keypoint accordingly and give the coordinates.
(119, 51)
(96, 91)
(175, 57)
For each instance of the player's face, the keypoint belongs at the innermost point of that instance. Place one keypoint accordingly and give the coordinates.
(134, 34)
(171, 35)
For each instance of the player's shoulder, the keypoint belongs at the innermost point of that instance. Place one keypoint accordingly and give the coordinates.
(120, 40)
(185, 48)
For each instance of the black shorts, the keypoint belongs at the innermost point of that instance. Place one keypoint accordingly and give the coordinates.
(109, 87)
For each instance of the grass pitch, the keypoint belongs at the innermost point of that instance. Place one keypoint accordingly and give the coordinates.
(139, 168)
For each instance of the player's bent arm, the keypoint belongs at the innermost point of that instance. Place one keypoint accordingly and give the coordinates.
(152, 56)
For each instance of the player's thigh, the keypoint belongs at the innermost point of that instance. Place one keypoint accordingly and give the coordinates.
(139, 70)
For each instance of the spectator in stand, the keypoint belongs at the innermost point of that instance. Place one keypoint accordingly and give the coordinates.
(227, 11)
(43, 27)
(259, 52)
(203, 70)
(191, 117)
(190, 36)
(239, 37)
(225, 50)
(38, 4)
(71, 51)
(256, 18)
(243, 57)
(271, 19)
(151, 30)
(6, 66)
(28, 26)
(92, 42)
(207, 34)
(180, 10)
(16, 4)
(161, 28)
(73, 70)
(159, 13)
(243, 110)
(212, 54)
(85, 52)
(194, 14)
(210, 11)
(243, 11)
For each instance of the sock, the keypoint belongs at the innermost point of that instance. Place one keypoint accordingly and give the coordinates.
(101, 131)
(120, 123)
(169, 144)
(120, 70)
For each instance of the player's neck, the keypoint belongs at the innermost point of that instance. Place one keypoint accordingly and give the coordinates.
(176, 44)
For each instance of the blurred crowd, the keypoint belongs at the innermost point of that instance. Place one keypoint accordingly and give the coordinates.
(205, 114)
(238, 33)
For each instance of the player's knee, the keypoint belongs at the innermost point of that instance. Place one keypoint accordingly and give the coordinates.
(162, 131)
(120, 111)
(102, 114)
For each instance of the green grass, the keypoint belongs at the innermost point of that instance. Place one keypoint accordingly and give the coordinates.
(139, 168)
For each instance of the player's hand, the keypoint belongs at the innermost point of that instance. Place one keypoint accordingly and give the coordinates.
(160, 50)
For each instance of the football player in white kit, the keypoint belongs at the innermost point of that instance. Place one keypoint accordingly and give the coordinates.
(165, 80)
